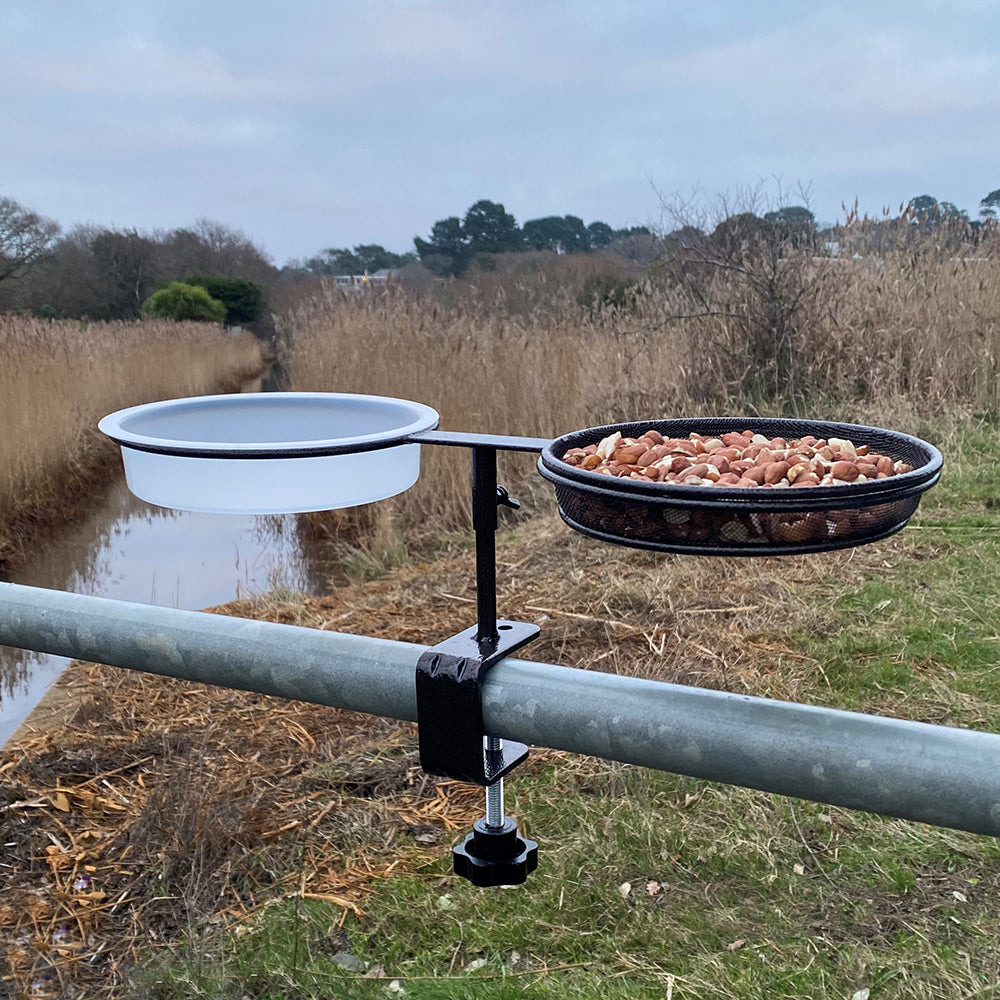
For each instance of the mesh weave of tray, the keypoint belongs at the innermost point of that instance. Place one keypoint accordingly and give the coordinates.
(711, 520)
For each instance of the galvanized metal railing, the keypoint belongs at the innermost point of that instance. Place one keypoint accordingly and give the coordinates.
(932, 774)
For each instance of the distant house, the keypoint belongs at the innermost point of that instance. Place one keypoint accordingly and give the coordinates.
(358, 282)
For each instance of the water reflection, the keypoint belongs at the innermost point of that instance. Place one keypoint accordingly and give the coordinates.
(132, 551)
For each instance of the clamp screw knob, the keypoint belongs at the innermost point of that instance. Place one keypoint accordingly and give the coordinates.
(492, 856)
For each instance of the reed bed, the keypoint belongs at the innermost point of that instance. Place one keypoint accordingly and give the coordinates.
(60, 378)
(896, 339)
(482, 369)
(915, 334)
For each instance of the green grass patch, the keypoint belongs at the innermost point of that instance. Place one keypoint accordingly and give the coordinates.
(654, 885)
(918, 634)
(650, 883)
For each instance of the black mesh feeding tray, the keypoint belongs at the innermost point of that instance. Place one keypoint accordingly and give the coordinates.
(715, 520)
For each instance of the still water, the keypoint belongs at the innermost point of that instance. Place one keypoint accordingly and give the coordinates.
(129, 550)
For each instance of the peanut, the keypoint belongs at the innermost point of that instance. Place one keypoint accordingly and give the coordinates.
(744, 460)
(775, 472)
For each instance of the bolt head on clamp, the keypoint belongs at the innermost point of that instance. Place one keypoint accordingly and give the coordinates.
(492, 857)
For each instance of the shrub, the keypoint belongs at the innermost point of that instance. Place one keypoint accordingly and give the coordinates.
(180, 301)
(244, 301)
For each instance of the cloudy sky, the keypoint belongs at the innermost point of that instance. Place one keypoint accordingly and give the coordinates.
(316, 124)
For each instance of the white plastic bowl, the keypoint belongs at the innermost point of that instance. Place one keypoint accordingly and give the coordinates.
(270, 452)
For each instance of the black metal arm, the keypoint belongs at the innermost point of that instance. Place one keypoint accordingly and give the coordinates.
(495, 442)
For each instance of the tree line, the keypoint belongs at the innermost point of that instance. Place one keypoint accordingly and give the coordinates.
(103, 273)
(454, 244)
(794, 227)
(488, 229)
(100, 273)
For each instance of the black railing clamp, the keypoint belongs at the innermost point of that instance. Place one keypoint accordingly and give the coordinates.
(450, 706)
(449, 678)
(454, 744)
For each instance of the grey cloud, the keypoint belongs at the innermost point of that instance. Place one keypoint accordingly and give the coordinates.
(311, 125)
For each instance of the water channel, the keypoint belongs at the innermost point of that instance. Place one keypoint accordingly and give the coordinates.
(132, 551)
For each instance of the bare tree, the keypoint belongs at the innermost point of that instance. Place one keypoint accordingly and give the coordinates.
(747, 262)
(211, 247)
(25, 236)
(68, 278)
(126, 261)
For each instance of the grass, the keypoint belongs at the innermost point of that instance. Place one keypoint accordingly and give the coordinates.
(654, 885)
(650, 883)
(919, 637)
(59, 378)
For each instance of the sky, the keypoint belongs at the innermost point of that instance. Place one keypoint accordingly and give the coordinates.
(326, 124)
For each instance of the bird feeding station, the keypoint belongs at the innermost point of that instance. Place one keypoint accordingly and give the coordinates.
(265, 453)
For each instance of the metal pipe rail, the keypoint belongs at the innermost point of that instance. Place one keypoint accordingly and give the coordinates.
(932, 774)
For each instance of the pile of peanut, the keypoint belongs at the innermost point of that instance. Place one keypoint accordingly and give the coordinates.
(741, 460)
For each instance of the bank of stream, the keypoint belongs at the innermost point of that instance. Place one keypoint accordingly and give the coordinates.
(129, 550)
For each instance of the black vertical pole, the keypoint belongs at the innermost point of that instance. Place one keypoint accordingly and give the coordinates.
(493, 854)
(484, 523)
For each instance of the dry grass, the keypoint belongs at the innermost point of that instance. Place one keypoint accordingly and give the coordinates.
(892, 340)
(915, 332)
(139, 819)
(482, 369)
(183, 807)
(60, 378)
(193, 809)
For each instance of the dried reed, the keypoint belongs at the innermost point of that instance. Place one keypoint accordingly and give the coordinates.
(894, 338)
(59, 378)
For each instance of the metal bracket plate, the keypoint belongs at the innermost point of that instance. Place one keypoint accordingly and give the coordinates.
(450, 708)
